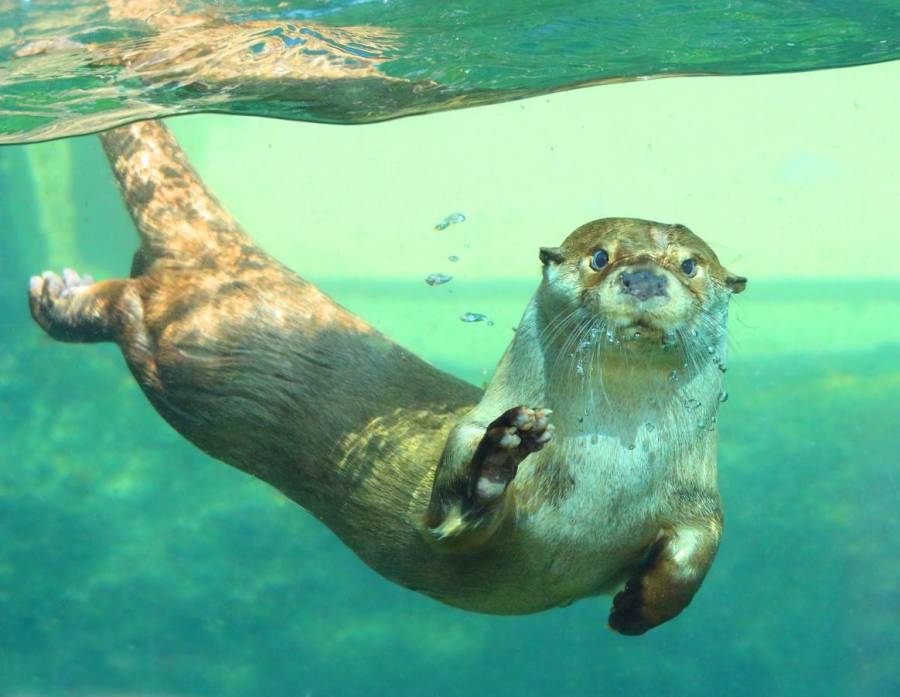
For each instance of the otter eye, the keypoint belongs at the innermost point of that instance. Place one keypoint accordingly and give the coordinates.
(599, 260)
(689, 266)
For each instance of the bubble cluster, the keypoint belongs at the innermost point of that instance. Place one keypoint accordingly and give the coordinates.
(451, 219)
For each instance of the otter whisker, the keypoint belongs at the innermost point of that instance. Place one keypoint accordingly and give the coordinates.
(570, 341)
(596, 355)
(564, 322)
(558, 325)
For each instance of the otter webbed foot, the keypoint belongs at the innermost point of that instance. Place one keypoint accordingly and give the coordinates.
(508, 440)
(667, 580)
(72, 307)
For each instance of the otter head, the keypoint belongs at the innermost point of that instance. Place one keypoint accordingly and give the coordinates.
(636, 282)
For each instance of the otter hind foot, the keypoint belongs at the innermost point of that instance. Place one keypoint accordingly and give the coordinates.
(627, 615)
(71, 307)
(508, 440)
(671, 574)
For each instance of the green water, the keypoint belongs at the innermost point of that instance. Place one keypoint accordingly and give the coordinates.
(132, 564)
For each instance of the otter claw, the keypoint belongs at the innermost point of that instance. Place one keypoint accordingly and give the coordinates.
(547, 434)
(524, 418)
(70, 278)
(525, 428)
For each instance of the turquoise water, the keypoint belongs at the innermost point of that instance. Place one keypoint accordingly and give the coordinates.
(77, 66)
(133, 564)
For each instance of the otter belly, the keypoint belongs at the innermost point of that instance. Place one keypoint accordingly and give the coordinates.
(591, 509)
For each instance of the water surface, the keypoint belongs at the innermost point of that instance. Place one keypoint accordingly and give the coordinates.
(70, 67)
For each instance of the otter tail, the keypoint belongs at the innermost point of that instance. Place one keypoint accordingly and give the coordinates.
(179, 221)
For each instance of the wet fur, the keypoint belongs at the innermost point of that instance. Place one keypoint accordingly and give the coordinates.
(261, 370)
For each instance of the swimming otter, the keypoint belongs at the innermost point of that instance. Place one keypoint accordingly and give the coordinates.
(589, 461)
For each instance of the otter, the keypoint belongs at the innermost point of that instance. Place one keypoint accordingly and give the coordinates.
(586, 467)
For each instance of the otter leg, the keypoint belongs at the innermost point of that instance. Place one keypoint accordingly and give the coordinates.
(178, 219)
(74, 308)
(467, 501)
(668, 578)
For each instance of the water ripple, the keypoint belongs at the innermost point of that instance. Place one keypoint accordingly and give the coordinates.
(74, 67)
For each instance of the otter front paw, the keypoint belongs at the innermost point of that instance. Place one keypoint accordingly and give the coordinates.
(507, 441)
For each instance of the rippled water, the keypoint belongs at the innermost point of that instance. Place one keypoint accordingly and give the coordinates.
(77, 67)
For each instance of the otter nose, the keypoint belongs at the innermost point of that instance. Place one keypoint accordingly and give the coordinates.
(643, 284)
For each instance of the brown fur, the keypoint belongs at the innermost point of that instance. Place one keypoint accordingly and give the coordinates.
(260, 369)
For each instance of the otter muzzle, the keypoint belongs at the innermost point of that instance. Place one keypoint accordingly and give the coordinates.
(643, 284)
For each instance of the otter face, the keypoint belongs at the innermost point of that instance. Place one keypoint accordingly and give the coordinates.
(640, 280)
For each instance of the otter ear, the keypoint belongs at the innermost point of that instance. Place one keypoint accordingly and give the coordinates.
(735, 283)
(552, 254)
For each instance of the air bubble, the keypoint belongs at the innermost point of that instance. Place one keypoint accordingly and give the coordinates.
(692, 403)
(452, 219)
(723, 396)
(708, 426)
(475, 317)
(437, 279)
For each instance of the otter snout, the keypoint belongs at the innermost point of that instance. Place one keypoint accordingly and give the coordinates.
(643, 284)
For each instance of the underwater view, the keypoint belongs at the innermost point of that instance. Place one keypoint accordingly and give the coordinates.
(133, 562)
